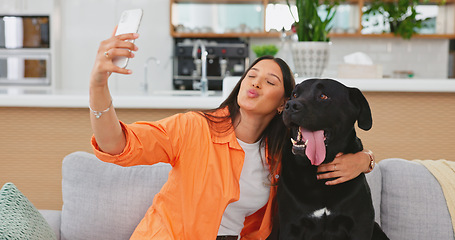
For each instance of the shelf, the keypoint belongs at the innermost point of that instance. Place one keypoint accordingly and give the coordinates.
(332, 35)
(390, 35)
(220, 1)
(265, 34)
(222, 35)
(284, 2)
(225, 35)
(368, 1)
(420, 2)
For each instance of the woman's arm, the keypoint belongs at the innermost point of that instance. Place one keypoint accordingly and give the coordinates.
(105, 125)
(346, 167)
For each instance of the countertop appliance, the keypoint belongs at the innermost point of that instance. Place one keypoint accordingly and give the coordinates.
(225, 57)
(25, 55)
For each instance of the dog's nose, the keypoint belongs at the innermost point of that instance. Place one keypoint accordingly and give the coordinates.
(293, 105)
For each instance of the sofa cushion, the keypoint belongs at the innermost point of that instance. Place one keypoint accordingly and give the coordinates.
(103, 200)
(19, 219)
(53, 217)
(413, 204)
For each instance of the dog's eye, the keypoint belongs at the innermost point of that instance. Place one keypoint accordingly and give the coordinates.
(323, 97)
(294, 95)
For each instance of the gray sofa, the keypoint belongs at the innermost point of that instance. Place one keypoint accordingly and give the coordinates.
(106, 201)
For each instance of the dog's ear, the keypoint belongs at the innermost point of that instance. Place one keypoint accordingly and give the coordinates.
(364, 119)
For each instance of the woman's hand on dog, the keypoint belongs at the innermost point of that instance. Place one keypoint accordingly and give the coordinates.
(344, 167)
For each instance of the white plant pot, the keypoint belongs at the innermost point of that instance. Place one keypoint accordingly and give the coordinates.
(310, 58)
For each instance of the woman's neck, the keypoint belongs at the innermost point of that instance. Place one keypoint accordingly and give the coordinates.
(249, 127)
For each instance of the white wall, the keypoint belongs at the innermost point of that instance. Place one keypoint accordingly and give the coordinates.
(427, 58)
(85, 23)
(26, 6)
(80, 25)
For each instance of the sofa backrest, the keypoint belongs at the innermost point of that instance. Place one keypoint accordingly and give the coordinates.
(103, 200)
(106, 201)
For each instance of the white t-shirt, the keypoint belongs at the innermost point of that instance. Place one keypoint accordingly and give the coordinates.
(254, 190)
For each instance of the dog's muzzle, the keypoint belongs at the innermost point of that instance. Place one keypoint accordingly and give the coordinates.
(311, 144)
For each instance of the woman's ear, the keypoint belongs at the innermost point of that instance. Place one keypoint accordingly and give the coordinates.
(281, 107)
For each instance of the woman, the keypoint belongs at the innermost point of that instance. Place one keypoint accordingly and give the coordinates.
(225, 161)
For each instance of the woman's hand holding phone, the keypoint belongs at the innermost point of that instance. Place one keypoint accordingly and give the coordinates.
(114, 53)
(115, 46)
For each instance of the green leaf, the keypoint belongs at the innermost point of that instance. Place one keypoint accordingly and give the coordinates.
(401, 15)
(310, 26)
(263, 50)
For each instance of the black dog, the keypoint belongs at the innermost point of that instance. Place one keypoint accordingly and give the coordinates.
(321, 115)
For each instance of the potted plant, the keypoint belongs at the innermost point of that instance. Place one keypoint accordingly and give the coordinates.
(311, 52)
(400, 15)
(263, 50)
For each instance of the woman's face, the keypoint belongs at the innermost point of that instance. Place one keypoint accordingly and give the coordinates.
(262, 89)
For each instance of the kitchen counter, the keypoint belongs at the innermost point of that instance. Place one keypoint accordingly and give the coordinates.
(179, 101)
(411, 119)
(119, 101)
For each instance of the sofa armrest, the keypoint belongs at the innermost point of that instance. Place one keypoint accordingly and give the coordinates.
(53, 217)
(413, 204)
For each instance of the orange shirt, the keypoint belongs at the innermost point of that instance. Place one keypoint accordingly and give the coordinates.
(203, 181)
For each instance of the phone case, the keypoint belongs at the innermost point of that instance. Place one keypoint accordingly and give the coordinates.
(129, 23)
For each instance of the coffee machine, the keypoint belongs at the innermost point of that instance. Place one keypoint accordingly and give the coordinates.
(225, 57)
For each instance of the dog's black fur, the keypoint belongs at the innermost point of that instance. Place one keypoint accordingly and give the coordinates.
(325, 104)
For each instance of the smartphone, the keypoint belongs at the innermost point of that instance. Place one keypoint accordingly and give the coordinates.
(129, 23)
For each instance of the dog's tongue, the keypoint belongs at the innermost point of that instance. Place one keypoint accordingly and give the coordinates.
(315, 148)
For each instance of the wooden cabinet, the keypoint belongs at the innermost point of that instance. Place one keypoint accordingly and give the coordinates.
(449, 4)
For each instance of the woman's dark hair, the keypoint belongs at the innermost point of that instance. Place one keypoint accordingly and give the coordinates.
(276, 133)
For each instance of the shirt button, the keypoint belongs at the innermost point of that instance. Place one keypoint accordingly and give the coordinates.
(277, 176)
